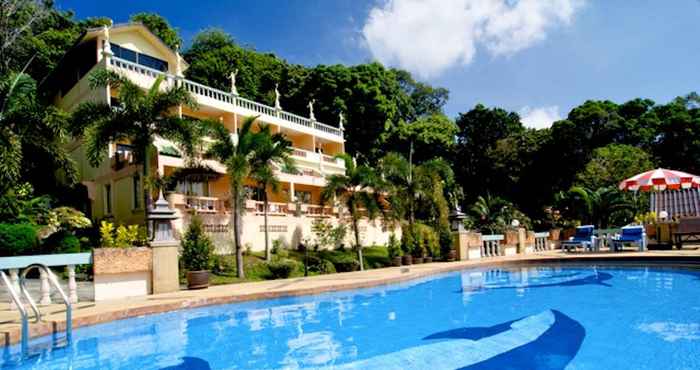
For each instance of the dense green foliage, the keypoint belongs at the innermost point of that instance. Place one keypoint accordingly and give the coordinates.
(17, 239)
(197, 249)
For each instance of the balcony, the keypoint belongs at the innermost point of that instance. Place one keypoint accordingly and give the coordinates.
(224, 100)
(198, 204)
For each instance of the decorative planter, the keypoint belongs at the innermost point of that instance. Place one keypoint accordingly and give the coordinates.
(650, 230)
(428, 259)
(396, 261)
(122, 272)
(417, 260)
(407, 260)
(197, 279)
(452, 255)
(554, 234)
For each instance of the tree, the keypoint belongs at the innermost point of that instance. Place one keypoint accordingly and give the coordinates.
(432, 136)
(612, 164)
(237, 153)
(358, 190)
(490, 213)
(138, 117)
(32, 136)
(273, 152)
(160, 27)
(597, 207)
(479, 130)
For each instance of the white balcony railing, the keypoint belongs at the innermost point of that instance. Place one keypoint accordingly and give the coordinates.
(224, 97)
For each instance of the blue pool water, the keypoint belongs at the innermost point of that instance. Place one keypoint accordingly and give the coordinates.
(576, 317)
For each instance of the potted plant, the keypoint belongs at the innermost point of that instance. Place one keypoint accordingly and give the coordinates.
(197, 251)
(407, 245)
(394, 250)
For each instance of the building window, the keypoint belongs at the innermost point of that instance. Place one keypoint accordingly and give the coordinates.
(303, 196)
(108, 199)
(194, 188)
(136, 182)
(138, 58)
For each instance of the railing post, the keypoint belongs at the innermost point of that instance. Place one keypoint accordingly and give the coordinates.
(14, 280)
(72, 285)
(45, 288)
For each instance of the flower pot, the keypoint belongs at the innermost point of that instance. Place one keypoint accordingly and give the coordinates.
(407, 260)
(427, 259)
(396, 261)
(451, 255)
(554, 234)
(197, 279)
(417, 260)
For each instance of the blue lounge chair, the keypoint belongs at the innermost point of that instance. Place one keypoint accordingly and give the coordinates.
(584, 237)
(631, 235)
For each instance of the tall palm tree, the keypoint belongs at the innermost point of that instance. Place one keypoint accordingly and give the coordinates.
(238, 153)
(359, 189)
(273, 152)
(137, 116)
(29, 127)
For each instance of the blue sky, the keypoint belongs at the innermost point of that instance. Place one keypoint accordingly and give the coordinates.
(537, 57)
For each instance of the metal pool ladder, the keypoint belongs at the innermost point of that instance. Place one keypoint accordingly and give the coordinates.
(24, 344)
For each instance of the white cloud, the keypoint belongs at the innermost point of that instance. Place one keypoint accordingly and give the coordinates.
(541, 117)
(429, 36)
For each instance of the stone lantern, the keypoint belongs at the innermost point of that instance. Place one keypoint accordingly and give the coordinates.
(160, 219)
(457, 218)
(165, 248)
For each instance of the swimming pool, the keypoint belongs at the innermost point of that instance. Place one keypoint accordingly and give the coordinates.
(545, 317)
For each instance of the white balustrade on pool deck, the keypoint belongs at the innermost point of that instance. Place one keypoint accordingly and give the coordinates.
(492, 245)
(70, 260)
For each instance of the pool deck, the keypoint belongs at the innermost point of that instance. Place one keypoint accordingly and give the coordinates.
(89, 313)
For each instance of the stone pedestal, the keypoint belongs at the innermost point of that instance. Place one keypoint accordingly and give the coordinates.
(467, 244)
(511, 242)
(165, 270)
(122, 272)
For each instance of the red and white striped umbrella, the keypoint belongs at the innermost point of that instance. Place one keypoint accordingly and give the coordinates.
(660, 179)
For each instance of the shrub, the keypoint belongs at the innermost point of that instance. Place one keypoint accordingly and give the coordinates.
(320, 265)
(282, 268)
(197, 249)
(106, 234)
(61, 242)
(346, 263)
(17, 239)
(445, 241)
(393, 247)
(223, 264)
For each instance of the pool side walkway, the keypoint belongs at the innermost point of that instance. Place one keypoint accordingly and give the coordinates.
(89, 313)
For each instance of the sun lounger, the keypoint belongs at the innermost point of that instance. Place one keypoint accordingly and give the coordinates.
(688, 230)
(584, 237)
(630, 235)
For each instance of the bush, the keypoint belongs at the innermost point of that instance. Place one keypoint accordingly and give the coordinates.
(393, 247)
(282, 268)
(445, 242)
(17, 239)
(223, 264)
(421, 241)
(61, 242)
(197, 249)
(320, 265)
(346, 263)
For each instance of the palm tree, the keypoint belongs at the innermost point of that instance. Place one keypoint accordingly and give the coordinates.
(29, 127)
(238, 154)
(600, 205)
(273, 152)
(491, 213)
(137, 116)
(358, 189)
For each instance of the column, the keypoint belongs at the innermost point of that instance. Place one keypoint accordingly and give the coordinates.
(45, 288)
(292, 196)
(14, 280)
(72, 285)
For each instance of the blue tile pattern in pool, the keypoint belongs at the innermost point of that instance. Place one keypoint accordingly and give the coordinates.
(568, 317)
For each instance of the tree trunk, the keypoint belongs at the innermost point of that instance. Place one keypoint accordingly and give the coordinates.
(268, 256)
(146, 196)
(236, 214)
(358, 245)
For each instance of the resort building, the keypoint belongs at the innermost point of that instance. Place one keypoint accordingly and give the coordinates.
(114, 187)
